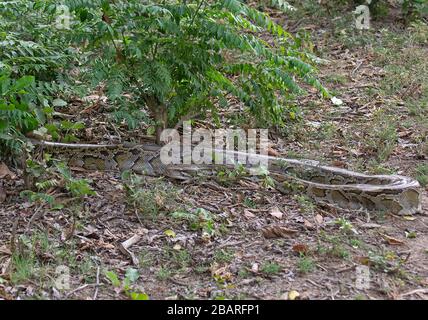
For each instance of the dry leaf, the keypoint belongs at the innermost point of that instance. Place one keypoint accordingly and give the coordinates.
(277, 232)
(409, 218)
(293, 295)
(276, 212)
(356, 152)
(255, 268)
(308, 224)
(339, 164)
(5, 172)
(392, 241)
(222, 272)
(248, 214)
(3, 195)
(300, 248)
(363, 260)
(273, 152)
(319, 219)
(370, 225)
(5, 250)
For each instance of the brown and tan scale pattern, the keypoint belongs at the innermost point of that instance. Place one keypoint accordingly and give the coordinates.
(343, 188)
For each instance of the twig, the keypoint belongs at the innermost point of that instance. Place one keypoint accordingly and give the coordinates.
(82, 287)
(138, 217)
(13, 235)
(116, 130)
(416, 291)
(97, 284)
(33, 218)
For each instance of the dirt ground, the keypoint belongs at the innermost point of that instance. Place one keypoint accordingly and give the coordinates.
(208, 240)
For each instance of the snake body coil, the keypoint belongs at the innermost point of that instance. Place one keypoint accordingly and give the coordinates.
(344, 188)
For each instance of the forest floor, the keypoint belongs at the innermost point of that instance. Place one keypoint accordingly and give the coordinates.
(213, 246)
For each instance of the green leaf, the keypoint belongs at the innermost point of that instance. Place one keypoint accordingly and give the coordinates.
(23, 83)
(112, 276)
(132, 274)
(59, 103)
(170, 233)
(139, 296)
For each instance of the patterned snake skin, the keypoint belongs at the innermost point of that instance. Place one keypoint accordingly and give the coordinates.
(339, 187)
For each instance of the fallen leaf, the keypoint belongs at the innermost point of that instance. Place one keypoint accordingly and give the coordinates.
(308, 224)
(319, 219)
(392, 241)
(276, 212)
(356, 152)
(3, 195)
(370, 225)
(170, 233)
(255, 268)
(409, 218)
(4, 249)
(5, 172)
(300, 248)
(293, 295)
(277, 232)
(339, 164)
(248, 214)
(336, 101)
(363, 260)
(221, 273)
(273, 152)
(177, 247)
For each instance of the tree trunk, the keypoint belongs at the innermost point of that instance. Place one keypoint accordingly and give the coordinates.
(159, 113)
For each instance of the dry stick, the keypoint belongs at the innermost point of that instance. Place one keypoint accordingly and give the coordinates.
(33, 218)
(81, 288)
(416, 291)
(116, 130)
(123, 247)
(13, 235)
(138, 217)
(97, 284)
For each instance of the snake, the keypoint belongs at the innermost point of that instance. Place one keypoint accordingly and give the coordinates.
(325, 184)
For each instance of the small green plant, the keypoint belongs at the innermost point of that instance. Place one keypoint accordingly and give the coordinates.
(248, 202)
(345, 225)
(201, 219)
(64, 131)
(227, 176)
(305, 203)
(17, 114)
(270, 268)
(339, 251)
(23, 266)
(146, 259)
(422, 174)
(182, 258)
(382, 138)
(336, 249)
(223, 256)
(125, 286)
(49, 174)
(163, 273)
(149, 198)
(243, 273)
(355, 243)
(305, 264)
